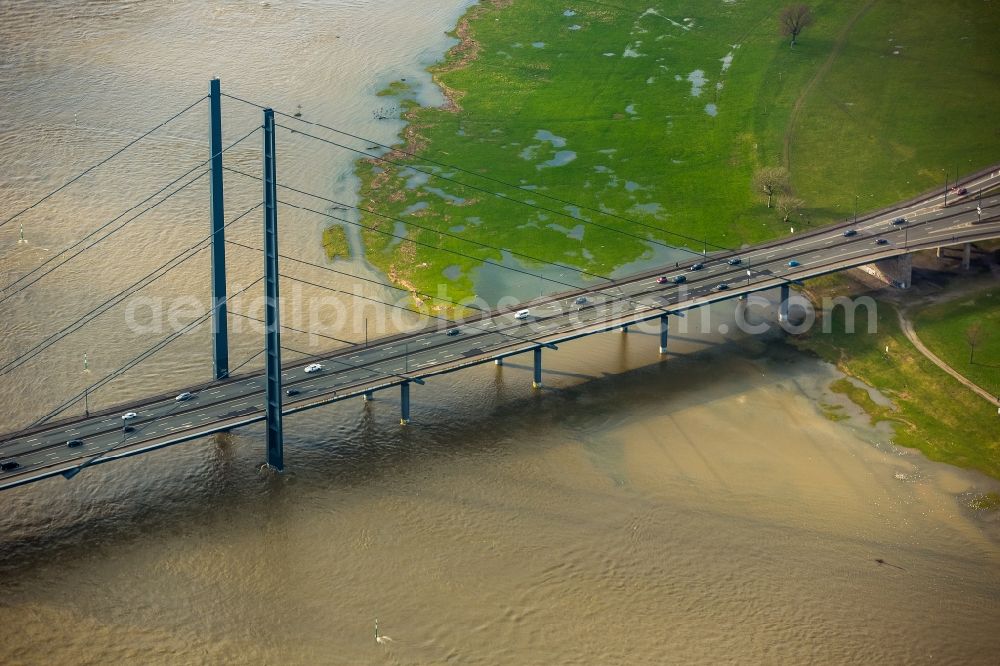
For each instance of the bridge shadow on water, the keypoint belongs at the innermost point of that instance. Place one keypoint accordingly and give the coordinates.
(217, 481)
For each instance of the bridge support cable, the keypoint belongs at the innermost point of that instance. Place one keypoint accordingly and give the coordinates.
(502, 266)
(136, 286)
(537, 378)
(114, 374)
(504, 197)
(92, 234)
(104, 161)
(664, 333)
(404, 403)
(272, 332)
(783, 303)
(220, 323)
(395, 150)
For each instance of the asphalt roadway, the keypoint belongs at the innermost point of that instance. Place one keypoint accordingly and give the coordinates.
(349, 372)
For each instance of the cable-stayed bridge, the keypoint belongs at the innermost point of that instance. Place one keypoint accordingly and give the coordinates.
(61, 445)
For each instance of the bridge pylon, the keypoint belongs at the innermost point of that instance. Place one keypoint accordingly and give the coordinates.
(272, 325)
(220, 324)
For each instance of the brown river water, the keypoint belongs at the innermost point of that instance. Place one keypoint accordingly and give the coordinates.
(634, 511)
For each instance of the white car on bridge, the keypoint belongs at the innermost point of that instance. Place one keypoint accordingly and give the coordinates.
(313, 367)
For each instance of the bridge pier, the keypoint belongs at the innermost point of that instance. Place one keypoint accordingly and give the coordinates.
(404, 403)
(624, 329)
(967, 256)
(894, 271)
(498, 361)
(368, 396)
(664, 333)
(537, 381)
(783, 303)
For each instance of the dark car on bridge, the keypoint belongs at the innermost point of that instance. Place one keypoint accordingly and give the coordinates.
(735, 261)
(696, 267)
(881, 241)
(73, 443)
(722, 286)
(9, 465)
(679, 279)
(850, 232)
(452, 332)
(899, 220)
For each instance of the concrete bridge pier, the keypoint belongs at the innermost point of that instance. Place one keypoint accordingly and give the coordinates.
(783, 303)
(537, 380)
(894, 271)
(664, 333)
(404, 403)
(967, 256)
(624, 329)
(498, 361)
(368, 396)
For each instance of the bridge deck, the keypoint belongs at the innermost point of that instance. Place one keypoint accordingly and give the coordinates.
(42, 451)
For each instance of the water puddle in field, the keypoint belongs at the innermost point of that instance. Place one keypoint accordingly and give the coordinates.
(545, 135)
(416, 179)
(496, 282)
(399, 233)
(656, 256)
(538, 45)
(631, 186)
(444, 195)
(576, 233)
(697, 80)
(648, 208)
(726, 60)
(457, 229)
(561, 158)
(452, 272)
(711, 110)
(415, 208)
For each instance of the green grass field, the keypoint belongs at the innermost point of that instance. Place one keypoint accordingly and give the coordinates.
(933, 412)
(943, 329)
(658, 115)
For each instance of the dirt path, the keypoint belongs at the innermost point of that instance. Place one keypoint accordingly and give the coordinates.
(838, 46)
(911, 335)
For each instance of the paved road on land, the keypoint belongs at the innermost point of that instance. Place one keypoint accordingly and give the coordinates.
(42, 451)
(911, 335)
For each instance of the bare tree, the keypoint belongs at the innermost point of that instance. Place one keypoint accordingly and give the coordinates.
(973, 335)
(770, 182)
(787, 205)
(794, 19)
